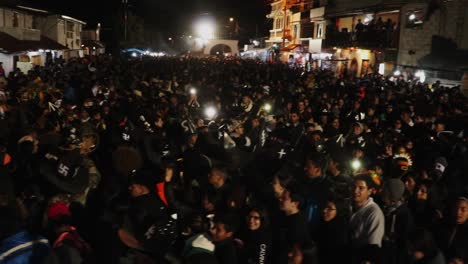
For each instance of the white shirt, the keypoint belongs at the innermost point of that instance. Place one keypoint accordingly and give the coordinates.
(367, 225)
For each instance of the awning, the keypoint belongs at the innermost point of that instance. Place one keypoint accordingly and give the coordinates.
(93, 43)
(290, 47)
(10, 44)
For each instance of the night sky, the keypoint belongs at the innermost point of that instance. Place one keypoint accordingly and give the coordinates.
(169, 16)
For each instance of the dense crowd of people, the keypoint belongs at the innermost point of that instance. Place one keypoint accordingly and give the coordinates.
(190, 160)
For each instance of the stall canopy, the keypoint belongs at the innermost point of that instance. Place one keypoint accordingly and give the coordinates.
(10, 44)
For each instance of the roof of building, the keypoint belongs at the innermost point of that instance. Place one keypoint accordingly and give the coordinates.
(10, 44)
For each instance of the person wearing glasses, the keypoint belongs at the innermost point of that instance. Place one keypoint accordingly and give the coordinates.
(256, 237)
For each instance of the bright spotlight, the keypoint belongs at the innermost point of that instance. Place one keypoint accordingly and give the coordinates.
(412, 17)
(231, 19)
(134, 54)
(193, 91)
(205, 29)
(267, 107)
(421, 75)
(210, 112)
(356, 164)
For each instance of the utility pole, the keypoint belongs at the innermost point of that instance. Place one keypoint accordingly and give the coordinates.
(125, 10)
(284, 21)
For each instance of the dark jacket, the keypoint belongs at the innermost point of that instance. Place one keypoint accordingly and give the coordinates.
(226, 252)
(257, 246)
(398, 224)
(454, 241)
(332, 237)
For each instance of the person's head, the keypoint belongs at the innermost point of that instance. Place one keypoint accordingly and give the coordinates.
(301, 106)
(357, 129)
(246, 99)
(335, 123)
(462, 211)
(294, 117)
(335, 163)
(141, 184)
(410, 182)
(421, 244)
(423, 189)
(158, 121)
(315, 165)
(364, 187)
(392, 191)
(397, 124)
(279, 183)
(256, 218)
(209, 202)
(217, 177)
(192, 140)
(291, 199)
(239, 130)
(439, 126)
(224, 227)
(333, 208)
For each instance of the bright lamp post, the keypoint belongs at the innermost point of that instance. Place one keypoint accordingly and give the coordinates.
(205, 29)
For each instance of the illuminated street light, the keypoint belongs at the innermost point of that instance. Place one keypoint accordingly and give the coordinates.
(210, 112)
(134, 54)
(169, 39)
(231, 19)
(193, 91)
(412, 17)
(205, 29)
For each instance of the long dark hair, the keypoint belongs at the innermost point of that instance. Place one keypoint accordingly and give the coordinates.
(265, 223)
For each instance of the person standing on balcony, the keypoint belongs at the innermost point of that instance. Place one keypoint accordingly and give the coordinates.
(359, 28)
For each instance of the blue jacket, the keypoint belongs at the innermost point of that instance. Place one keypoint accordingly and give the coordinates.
(23, 248)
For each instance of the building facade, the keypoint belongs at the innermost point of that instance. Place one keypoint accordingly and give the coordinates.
(64, 30)
(298, 28)
(30, 36)
(367, 36)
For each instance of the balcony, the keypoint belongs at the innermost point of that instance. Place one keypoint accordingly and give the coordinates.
(22, 33)
(366, 39)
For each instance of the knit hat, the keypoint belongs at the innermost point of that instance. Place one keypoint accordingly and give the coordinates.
(440, 164)
(394, 189)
